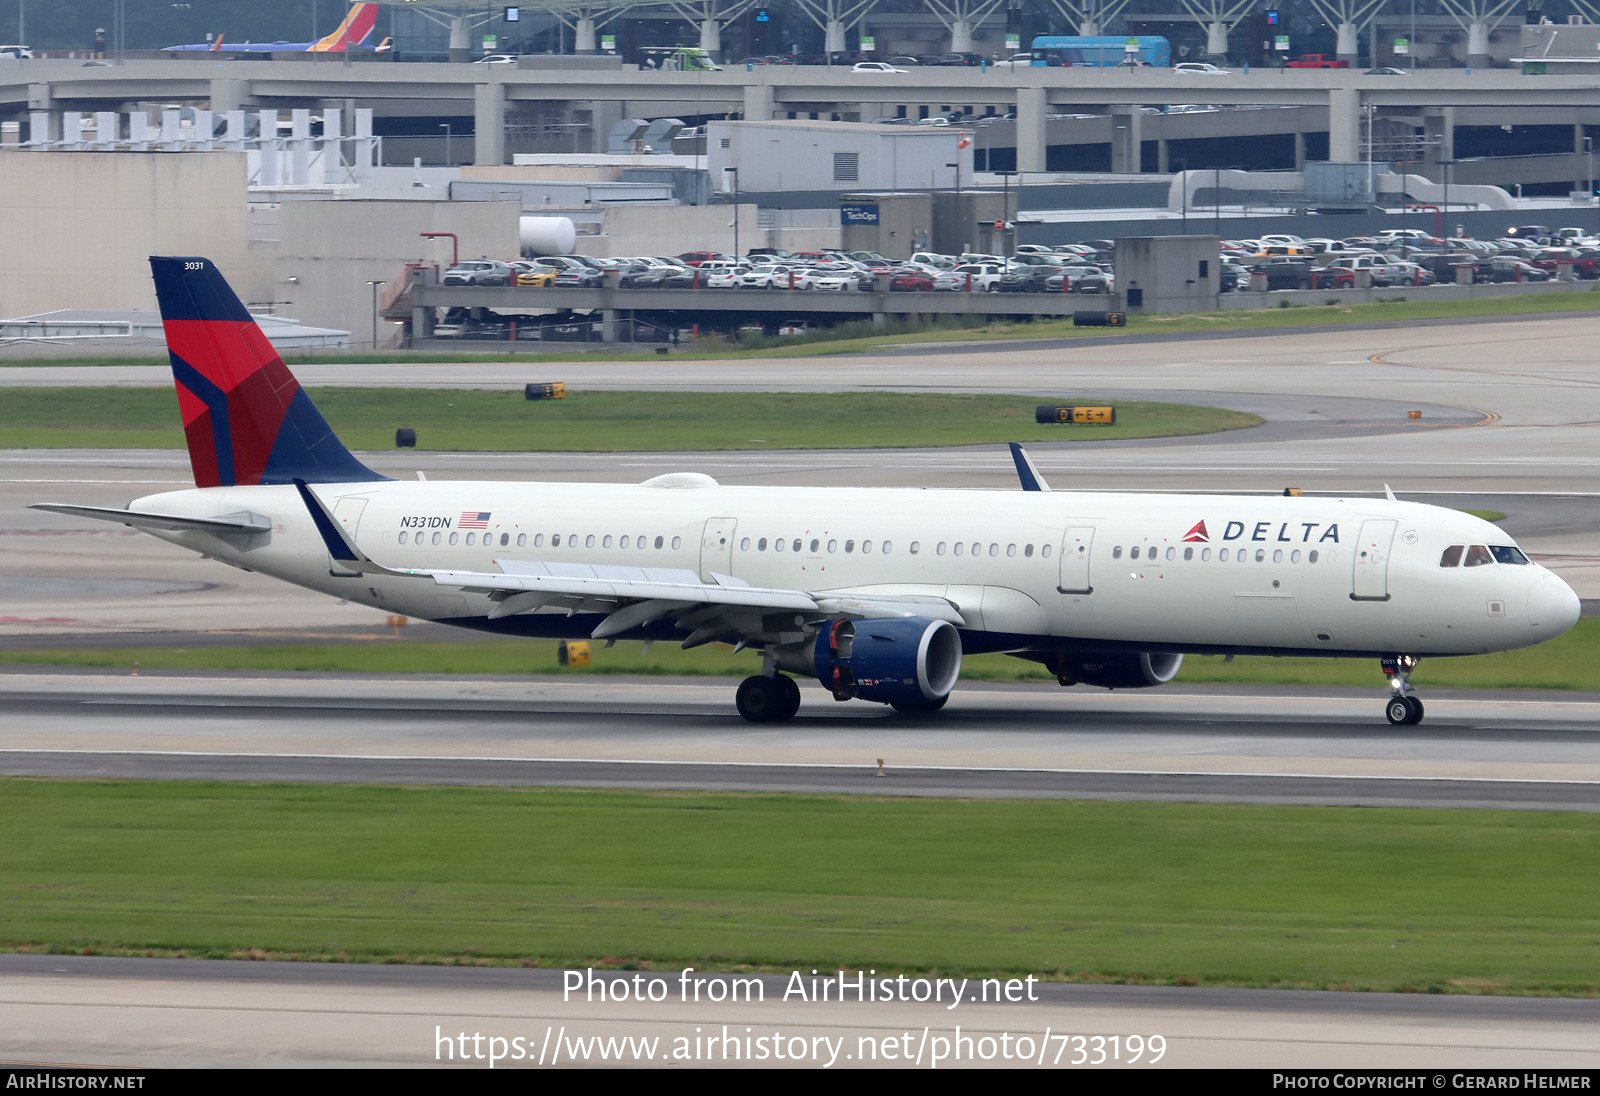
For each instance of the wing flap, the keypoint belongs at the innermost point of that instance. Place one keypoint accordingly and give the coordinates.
(625, 589)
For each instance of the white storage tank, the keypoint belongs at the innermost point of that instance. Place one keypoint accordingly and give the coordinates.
(547, 236)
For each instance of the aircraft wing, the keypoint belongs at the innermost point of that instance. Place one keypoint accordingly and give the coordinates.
(242, 523)
(634, 596)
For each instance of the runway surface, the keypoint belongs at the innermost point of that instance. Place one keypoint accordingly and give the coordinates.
(155, 1012)
(1503, 751)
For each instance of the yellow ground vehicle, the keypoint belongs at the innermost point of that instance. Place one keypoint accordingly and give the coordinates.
(530, 274)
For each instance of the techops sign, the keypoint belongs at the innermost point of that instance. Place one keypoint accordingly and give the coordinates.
(858, 214)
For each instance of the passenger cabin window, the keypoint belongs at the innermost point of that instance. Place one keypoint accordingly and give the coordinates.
(1478, 556)
(1116, 553)
(1452, 556)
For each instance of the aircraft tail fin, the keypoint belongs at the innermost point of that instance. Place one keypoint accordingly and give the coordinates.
(217, 44)
(246, 418)
(354, 31)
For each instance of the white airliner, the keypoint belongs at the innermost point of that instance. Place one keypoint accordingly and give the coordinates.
(877, 593)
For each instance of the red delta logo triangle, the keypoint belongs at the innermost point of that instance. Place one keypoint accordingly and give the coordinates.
(1198, 533)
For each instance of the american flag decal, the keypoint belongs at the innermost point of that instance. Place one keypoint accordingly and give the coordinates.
(473, 519)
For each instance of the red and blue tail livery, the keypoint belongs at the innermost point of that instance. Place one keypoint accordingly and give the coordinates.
(246, 418)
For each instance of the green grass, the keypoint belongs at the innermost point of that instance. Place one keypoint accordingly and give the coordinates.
(493, 421)
(1442, 901)
(1564, 663)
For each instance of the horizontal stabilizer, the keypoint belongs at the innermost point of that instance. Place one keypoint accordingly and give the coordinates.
(242, 523)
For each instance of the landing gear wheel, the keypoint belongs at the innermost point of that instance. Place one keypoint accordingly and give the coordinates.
(1404, 711)
(759, 699)
(919, 705)
(789, 695)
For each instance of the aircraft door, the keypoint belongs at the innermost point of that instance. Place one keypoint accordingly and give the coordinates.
(716, 548)
(1076, 547)
(1370, 582)
(347, 512)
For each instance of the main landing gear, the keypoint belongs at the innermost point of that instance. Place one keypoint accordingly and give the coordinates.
(1403, 709)
(763, 699)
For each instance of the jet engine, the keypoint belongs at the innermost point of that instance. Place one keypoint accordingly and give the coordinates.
(909, 662)
(1139, 670)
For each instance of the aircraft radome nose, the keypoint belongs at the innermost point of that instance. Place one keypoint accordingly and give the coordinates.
(1553, 607)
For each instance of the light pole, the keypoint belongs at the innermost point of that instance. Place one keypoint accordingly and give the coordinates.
(446, 127)
(1588, 152)
(1445, 164)
(734, 173)
(1005, 210)
(1217, 223)
(375, 286)
(1185, 170)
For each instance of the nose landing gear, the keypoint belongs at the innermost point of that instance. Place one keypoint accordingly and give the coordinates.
(1404, 709)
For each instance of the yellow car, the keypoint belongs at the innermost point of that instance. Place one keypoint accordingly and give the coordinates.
(541, 277)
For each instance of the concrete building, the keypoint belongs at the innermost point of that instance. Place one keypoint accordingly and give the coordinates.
(798, 154)
(1169, 273)
(81, 227)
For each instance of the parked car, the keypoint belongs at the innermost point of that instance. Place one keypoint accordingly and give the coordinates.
(1033, 279)
(532, 274)
(911, 281)
(1317, 61)
(875, 66)
(1199, 68)
(1406, 273)
(479, 272)
(1293, 273)
(1501, 269)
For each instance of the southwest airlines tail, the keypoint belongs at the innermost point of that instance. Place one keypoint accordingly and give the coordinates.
(354, 31)
(246, 418)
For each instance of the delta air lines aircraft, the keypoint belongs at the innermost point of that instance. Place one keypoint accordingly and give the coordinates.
(875, 593)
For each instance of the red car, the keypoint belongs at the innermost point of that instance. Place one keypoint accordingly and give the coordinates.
(1324, 277)
(695, 258)
(1317, 60)
(912, 281)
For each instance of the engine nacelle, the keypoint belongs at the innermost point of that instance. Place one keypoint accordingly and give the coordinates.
(897, 660)
(1119, 670)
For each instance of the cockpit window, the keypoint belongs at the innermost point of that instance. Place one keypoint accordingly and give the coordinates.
(1477, 556)
(1452, 556)
(1508, 554)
